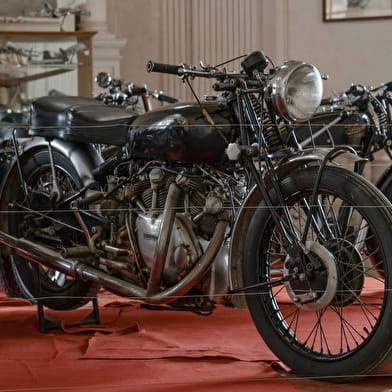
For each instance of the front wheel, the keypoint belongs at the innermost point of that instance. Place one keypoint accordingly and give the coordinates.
(331, 319)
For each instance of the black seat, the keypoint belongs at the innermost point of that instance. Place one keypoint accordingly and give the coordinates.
(79, 119)
(50, 111)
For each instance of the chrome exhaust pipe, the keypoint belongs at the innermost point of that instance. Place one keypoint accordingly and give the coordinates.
(39, 254)
(77, 269)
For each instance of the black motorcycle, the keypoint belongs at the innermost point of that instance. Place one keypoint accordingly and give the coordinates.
(131, 99)
(121, 92)
(206, 203)
(360, 117)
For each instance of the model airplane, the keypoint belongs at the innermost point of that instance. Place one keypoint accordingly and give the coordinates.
(73, 8)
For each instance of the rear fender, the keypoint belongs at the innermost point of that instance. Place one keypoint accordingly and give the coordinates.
(83, 157)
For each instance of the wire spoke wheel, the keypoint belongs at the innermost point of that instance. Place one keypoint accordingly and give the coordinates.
(41, 219)
(328, 320)
(326, 325)
(46, 220)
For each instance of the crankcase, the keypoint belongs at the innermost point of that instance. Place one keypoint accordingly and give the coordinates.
(183, 251)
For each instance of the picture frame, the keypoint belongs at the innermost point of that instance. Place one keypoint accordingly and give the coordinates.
(346, 10)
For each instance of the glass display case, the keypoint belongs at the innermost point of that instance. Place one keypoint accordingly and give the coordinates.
(42, 61)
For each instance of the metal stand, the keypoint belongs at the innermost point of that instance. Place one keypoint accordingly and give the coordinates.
(48, 322)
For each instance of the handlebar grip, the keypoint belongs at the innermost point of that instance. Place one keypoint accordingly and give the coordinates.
(326, 101)
(224, 86)
(162, 68)
(388, 86)
(166, 98)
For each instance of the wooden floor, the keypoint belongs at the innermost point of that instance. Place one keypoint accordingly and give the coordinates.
(136, 349)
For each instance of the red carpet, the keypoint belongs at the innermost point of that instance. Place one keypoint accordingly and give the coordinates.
(191, 336)
(136, 349)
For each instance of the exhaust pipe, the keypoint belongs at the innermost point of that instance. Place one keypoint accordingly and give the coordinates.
(39, 254)
(77, 269)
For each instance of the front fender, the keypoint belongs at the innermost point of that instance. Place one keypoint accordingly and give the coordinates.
(254, 198)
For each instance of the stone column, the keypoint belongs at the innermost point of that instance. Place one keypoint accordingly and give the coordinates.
(106, 46)
(97, 20)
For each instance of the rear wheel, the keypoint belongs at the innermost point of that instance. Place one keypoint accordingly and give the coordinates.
(27, 279)
(331, 318)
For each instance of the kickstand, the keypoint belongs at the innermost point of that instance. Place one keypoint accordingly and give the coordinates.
(48, 322)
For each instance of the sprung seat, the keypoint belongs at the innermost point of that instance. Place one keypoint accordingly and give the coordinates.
(79, 119)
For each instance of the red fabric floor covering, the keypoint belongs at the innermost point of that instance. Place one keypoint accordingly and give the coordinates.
(135, 349)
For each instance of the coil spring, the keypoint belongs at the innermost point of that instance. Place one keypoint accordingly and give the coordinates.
(379, 110)
(382, 118)
(270, 131)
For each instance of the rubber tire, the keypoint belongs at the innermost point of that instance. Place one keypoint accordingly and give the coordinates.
(377, 349)
(19, 275)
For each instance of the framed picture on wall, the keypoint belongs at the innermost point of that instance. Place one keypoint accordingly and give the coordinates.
(343, 10)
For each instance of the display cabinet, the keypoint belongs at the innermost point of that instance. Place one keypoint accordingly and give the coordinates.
(60, 60)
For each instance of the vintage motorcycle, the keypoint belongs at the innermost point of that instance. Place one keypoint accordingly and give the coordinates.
(206, 203)
(124, 93)
(133, 98)
(360, 117)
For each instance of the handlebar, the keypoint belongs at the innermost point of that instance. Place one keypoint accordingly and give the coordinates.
(183, 71)
(160, 96)
(138, 90)
(163, 68)
(388, 86)
(348, 97)
(224, 86)
(120, 91)
(326, 101)
(357, 90)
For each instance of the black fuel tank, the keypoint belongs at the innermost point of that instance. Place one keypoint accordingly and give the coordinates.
(348, 131)
(181, 133)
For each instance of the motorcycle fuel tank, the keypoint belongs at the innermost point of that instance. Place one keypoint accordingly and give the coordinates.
(349, 131)
(182, 133)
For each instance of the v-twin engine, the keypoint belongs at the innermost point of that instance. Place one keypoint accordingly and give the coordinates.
(184, 247)
(156, 233)
(197, 212)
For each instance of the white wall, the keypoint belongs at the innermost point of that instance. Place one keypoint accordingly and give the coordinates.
(139, 22)
(350, 52)
(182, 31)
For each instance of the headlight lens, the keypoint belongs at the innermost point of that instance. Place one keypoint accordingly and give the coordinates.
(296, 90)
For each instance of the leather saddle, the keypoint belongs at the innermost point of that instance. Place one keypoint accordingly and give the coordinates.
(79, 119)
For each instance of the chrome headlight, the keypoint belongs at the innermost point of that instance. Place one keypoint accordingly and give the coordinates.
(296, 90)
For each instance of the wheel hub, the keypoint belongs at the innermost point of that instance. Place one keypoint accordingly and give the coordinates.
(316, 287)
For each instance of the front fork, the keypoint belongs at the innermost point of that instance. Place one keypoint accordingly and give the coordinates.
(294, 245)
(285, 225)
